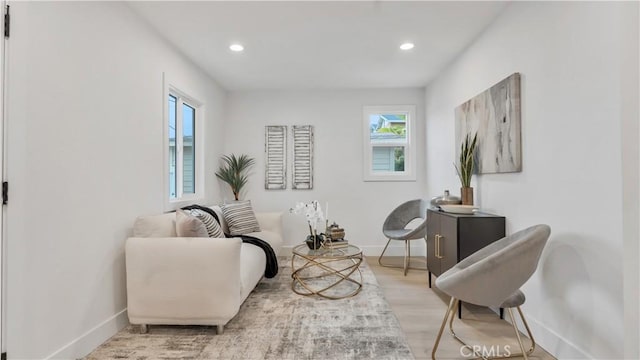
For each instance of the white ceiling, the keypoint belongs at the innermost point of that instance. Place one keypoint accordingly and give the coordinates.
(322, 44)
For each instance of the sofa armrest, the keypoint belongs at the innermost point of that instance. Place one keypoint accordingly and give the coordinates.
(270, 221)
(183, 280)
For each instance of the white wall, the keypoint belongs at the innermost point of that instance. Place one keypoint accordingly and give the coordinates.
(360, 207)
(84, 159)
(630, 129)
(575, 93)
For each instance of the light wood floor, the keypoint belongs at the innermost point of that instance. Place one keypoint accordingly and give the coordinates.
(420, 311)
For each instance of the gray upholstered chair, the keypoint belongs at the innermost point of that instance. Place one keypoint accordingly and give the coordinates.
(394, 228)
(492, 276)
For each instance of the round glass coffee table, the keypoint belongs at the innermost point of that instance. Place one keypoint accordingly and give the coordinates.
(330, 273)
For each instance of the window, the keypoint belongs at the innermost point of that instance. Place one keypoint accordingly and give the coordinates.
(183, 148)
(389, 141)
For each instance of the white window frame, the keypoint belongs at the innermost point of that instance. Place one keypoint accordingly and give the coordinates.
(182, 96)
(409, 173)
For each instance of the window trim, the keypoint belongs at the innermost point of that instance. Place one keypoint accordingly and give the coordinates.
(182, 96)
(409, 173)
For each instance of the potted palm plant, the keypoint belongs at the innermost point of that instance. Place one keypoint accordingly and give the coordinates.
(233, 172)
(465, 168)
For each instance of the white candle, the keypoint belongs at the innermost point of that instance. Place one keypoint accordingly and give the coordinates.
(326, 211)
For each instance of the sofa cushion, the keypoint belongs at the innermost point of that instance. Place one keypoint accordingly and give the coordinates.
(213, 228)
(163, 225)
(189, 226)
(252, 265)
(240, 218)
(274, 239)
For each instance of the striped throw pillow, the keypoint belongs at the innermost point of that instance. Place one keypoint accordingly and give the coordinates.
(213, 228)
(240, 218)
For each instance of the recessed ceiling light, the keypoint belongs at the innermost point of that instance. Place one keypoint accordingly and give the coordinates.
(236, 47)
(407, 46)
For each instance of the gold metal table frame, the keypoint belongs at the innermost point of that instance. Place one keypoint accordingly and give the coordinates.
(331, 263)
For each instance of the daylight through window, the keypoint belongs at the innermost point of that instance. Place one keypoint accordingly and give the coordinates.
(389, 142)
(182, 147)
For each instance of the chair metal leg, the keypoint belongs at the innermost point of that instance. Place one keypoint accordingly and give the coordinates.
(526, 326)
(477, 354)
(144, 328)
(449, 313)
(515, 328)
(456, 309)
(383, 250)
(219, 329)
(407, 255)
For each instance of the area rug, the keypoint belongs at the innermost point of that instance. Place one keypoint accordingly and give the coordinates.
(276, 323)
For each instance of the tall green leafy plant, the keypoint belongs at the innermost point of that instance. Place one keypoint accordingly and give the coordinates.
(465, 167)
(233, 172)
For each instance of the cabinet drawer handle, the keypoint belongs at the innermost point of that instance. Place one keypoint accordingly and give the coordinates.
(440, 246)
(437, 241)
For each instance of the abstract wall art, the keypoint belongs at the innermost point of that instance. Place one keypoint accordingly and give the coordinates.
(495, 116)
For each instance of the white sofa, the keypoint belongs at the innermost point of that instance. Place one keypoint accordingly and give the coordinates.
(192, 281)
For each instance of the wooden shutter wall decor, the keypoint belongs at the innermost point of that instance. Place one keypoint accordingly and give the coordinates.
(302, 157)
(275, 149)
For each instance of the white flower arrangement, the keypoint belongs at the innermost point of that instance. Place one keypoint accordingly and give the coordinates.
(312, 212)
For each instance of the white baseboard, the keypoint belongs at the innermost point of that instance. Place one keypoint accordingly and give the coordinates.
(550, 340)
(88, 341)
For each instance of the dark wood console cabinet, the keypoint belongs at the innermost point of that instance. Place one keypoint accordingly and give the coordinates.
(453, 237)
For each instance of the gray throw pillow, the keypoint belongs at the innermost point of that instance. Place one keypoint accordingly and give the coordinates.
(240, 218)
(213, 228)
(189, 226)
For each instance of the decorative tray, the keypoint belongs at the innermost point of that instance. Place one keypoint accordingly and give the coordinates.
(459, 209)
